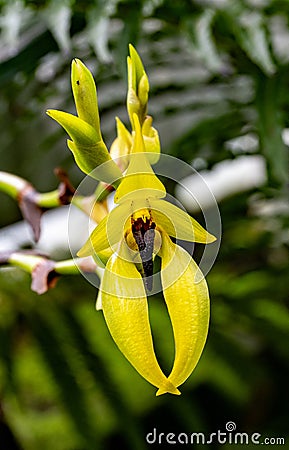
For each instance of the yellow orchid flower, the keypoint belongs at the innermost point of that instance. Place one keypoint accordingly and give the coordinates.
(129, 238)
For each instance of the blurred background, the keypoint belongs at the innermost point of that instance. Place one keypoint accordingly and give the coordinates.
(219, 78)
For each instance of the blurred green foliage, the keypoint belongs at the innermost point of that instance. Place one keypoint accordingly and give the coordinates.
(218, 71)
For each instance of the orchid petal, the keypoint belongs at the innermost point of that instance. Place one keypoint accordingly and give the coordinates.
(80, 131)
(125, 310)
(140, 179)
(188, 307)
(102, 257)
(88, 150)
(178, 223)
(108, 232)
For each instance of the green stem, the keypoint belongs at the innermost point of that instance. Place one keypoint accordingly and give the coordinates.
(73, 266)
(25, 261)
(48, 199)
(12, 184)
(15, 186)
(67, 267)
(28, 263)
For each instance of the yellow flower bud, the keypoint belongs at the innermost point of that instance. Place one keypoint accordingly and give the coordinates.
(85, 96)
(138, 87)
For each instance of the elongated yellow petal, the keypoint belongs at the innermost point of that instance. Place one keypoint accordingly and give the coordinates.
(179, 224)
(102, 257)
(85, 96)
(80, 131)
(188, 307)
(132, 100)
(96, 242)
(89, 152)
(140, 82)
(95, 161)
(125, 310)
(108, 232)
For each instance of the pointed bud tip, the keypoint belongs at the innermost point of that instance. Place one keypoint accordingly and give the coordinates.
(77, 68)
(76, 62)
(133, 52)
(131, 48)
(51, 113)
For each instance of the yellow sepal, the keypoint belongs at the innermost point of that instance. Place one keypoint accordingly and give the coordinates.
(102, 257)
(80, 131)
(178, 223)
(125, 310)
(188, 307)
(108, 232)
(89, 152)
(139, 180)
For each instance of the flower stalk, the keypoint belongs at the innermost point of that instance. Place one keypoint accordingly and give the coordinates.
(44, 271)
(33, 203)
